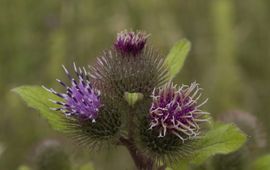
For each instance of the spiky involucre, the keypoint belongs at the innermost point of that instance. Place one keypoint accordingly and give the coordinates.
(257, 141)
(103, 132)
(117, 73)
(160, 135)
(250, 125)
(51, 155)
(167, 149)
(89, 116)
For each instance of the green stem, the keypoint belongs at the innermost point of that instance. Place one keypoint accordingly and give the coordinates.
(141, 161)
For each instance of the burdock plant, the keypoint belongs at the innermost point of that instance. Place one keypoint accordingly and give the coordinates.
(128, 98)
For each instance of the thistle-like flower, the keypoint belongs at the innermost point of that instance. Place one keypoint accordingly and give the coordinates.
(130, 42)
(50, 154)
(176, 111)
(81, 100)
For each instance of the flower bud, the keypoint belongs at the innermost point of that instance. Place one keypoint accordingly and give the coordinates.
(50, 155)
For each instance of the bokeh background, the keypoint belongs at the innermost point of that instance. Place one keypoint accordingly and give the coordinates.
(230, 58)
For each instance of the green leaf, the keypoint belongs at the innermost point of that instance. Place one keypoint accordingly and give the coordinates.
(38, 98)
(132, 98)
(262, 163)
(221, 139)
(176, 57)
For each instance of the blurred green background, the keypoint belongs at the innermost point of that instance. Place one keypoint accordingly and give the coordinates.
(230, 58)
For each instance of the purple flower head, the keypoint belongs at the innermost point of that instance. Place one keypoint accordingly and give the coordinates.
(176, 110)
(130, 42)
(81, 100)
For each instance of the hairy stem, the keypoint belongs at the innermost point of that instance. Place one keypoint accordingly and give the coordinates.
(141, 161)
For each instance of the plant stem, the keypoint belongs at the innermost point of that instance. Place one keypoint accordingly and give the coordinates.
(141, 161)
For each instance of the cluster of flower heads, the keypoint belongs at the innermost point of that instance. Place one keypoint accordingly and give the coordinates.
(176, 110)
(173, 110)
(81, 99)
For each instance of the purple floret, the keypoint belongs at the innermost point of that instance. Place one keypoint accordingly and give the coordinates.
(81, 100)
(177, 111)
(130, 43)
